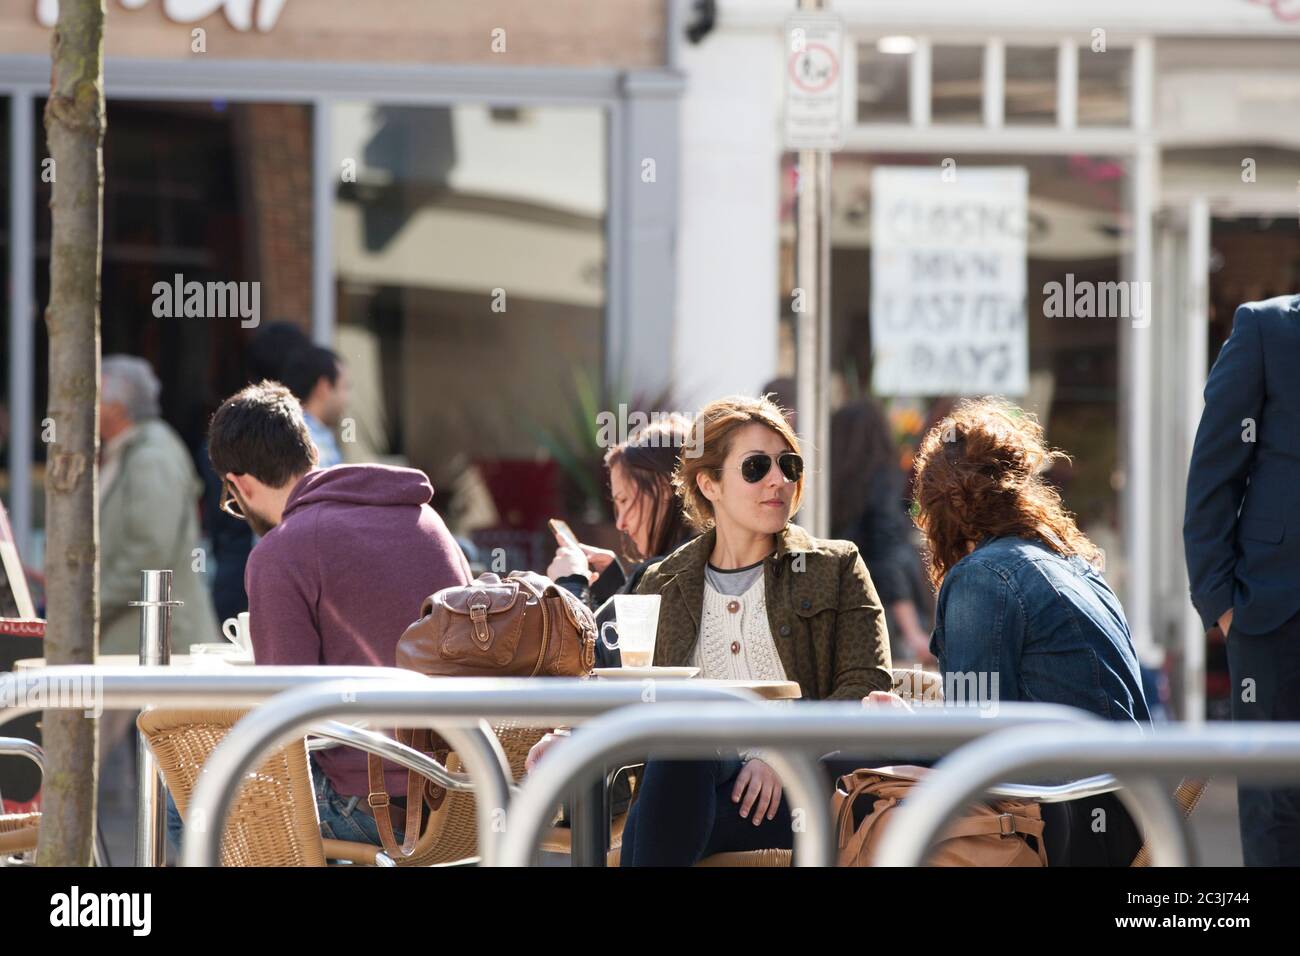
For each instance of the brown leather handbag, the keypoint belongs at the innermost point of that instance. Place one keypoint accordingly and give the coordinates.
(991, 833)
(520, 626)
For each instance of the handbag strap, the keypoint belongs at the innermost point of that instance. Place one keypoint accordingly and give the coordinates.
(379, 803)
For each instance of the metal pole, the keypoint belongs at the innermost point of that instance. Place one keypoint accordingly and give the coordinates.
(22, 317)
(155, 650)
(812, 326)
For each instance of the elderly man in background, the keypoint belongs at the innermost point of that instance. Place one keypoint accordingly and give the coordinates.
(148, 519)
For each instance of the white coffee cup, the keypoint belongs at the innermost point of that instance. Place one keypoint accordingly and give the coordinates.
(636, 624)
(235, 630)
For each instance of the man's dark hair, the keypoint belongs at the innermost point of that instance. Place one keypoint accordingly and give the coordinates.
(273, 345)
(260, 431)
(308, 366)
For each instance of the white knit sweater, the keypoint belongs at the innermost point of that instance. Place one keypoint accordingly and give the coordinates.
(735, 641)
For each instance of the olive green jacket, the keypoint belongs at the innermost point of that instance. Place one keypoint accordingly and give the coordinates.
(827, 622)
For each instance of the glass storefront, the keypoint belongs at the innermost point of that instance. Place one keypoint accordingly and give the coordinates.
(1076, 227)
(466, 241)
(469, 256)
(208, 191)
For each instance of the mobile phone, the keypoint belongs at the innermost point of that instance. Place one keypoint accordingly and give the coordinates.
(564, 534)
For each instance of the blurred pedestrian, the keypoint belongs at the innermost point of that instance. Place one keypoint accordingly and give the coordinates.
(867, 508)
(232, 540)
(148, 519)
(319, 380)
(648, 514)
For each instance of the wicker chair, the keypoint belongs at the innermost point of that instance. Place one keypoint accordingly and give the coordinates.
(1187, 796)
(19, 832)
(273, 821)
(451, 832)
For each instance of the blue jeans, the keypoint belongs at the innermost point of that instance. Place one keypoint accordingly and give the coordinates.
(339, 817)
(683, 813)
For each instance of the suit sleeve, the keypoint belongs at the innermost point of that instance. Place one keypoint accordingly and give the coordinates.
(1221, 460)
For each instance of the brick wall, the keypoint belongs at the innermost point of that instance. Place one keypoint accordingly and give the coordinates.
(276, 146)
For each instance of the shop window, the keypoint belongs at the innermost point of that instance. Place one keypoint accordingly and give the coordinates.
(1030, 86)
(469, 249)
(884, 84)
(1075, 234)
(1105, 78)
(957, 84)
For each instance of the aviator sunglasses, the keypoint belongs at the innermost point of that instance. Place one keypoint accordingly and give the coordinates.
(755, 468)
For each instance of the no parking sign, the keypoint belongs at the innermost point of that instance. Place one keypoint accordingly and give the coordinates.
(814, 82)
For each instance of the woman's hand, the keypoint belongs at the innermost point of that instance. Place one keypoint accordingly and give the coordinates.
(568, 561)
(537, 750)
(884, 700)
(758, 789)
(598, 558)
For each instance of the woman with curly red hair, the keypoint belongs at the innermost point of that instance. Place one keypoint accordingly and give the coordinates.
(1023, 612)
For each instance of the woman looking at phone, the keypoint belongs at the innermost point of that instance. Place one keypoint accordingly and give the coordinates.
(647, 513)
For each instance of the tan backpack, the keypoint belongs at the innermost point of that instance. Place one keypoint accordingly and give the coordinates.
(989, 834)
(522, 626)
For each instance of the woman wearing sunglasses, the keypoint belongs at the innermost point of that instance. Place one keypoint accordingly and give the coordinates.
(753, 597)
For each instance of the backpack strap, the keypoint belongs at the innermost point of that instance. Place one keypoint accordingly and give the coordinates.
(379, 803)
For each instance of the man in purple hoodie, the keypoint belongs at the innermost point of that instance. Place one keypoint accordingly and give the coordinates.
(347, 556)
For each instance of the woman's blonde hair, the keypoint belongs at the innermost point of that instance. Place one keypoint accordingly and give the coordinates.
(710, 443)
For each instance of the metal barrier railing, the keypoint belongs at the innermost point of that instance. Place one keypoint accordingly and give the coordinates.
(22, 747)
(93, 688)
(336, 732)
(1255, 751)
(450, 706)
(788, 737)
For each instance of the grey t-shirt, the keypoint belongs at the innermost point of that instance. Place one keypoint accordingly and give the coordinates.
(733, 583)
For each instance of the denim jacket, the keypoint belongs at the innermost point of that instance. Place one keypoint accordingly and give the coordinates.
(1017, 621)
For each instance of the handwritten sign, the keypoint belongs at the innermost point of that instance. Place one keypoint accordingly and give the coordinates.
(948, 281)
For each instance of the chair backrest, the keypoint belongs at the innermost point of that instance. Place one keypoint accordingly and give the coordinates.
(451, 832)
(273, 821)
(1187, 796)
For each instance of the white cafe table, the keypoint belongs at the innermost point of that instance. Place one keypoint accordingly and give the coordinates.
(133, 660)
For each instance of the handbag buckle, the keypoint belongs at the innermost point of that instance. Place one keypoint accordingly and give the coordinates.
(1007, 824)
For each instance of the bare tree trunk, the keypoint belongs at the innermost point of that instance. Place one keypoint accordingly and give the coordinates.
(74, 129)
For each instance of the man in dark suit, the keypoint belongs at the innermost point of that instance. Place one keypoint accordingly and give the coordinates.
(1241, 535)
